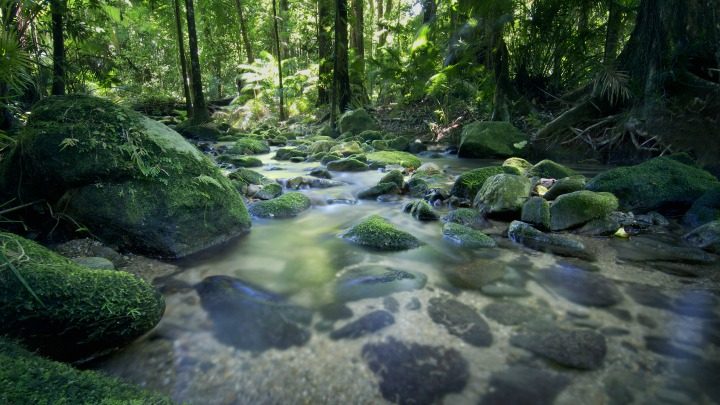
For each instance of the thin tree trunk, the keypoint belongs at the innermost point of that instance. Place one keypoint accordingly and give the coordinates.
(379, 15)
(282, 26)
(183, 62)
(358, 45)
(341, 75)
(612, 34)
(57, 8)
(279, 60)
(325, 23)
(385, 28)
(200, 113)
(244, 33)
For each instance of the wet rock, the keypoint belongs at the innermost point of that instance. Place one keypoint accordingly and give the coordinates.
(610, 224)
(286, 206)
(376, 281)
(391, 304)
(460, 320)
(320, 173)
(395, 177)
(491, 139)
(550, 170)
(503, 194)
(519, 164)
(649, 296)
(240, 160)
(249, 146)
(536, 212)
(665, 347)
(581, 349)
(421, 210)
(97, 263)
(520, 385)
(378, 190)
(367, 324)
(652, 249)
(467, 217)
(356, 122)
(705, 237)
(267, 191)
(414, 304)
(311, 182)
(574, 209)
(377, 233)
(467, 237)
(477, 274)
(565, 186)
(389, 158)
(526, 235)
(347, 165)
(289, 154)
(705, 209)
(336, 311)
(470, 182)
(403, 370)
(511, 313)
(581, 287)
(347, 149)
(250, 318)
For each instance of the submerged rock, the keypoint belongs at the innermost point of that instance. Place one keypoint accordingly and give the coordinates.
(580, 286)
(467, 237)
(366, 325)
(503, 194)
(377, 233)
(403, 370)
(67, 311)
(532, 238)
(520, 385)
(299, 182)
(286, 206)
(374, 281)
(581, 349)
(705, 209)
(250, 318)
(460, 320)
(577, 208)
(661, 184)
(511, 313)
(467, 217)
(565, 186)
(491, 139)
(646, 248)
(705, 237)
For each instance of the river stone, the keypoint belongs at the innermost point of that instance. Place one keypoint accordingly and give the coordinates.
(551, 170)
(403, 370)
(470, 182)
(467, 217)
(574, 209)
(581, 287)
(377, 233)
(565, 186)
(705, 237)
(519, 164)
(289, 154)
(356, 122)
(491, 139)
(286, 206)
(649, 296)
(376, 281)
(249, 146)
(536, 211)
(389, 158)
(378, 190)
(520, 385)
(705, 209)
(321, 173)
(511, 313)
(581, 349)
(268, 191)
(312, 182)
(347, 149)
(391, 304)
(532, 238)
(394, 176)
(661, 184)
(647, 248)
(250, 318)
(240, 160)
(347, 165)
(460, 320)
(97, 263)
(477, 274)
(467, 237)
(421, 210)
(366, 325)
(503, 194)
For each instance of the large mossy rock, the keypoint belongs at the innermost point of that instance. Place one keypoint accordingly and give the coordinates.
(549, 169)
(661, 184)
(27, 378)
(67, 311)
(469, 183)
(347, 165)
(565, 186)
(377, 233)
(536, 211)
(466, 236)
(387, 158)
(286, 206)
(130, 180)
(357, 122)
(491, 139)
(577, 208)
(249, 146)
(503, 194)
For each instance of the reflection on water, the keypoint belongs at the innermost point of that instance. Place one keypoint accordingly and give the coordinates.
(292, 313)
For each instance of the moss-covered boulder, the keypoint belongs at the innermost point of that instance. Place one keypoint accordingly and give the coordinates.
(577, 208)
(550, 170)
(536, 211)
(128, 179)
(347, 148)
(371, 135)
(286, 206)
(247, 176)
(289, 154)
(377, 233)
(491, 139)
(203, 132)
(357, 122)
(468, 217)
(249, 146)
(503, 194)
(379, 189)
(388, 158)
(67, 311)
(27, 378)
(347, 165)
(520, 164)
(466, 236)
(565, 186)
(660, 184)
(321, 146)
(421, 210)
(394, 176)
(469, 183)
(240, 160)
(705, 209)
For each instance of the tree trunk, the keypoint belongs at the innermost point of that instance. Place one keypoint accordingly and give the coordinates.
(358, 45)
(325, 23)
(383, 25)
(244, 33)
(200, 113)
(429, 11)
(279, 61)
(57, 9)
(183, 62)
(378, 21)
(341, 80)
(283, 28)
(612, 34)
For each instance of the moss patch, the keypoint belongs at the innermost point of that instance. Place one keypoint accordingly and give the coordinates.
(377, 233)
(552, 170)
(249, 146)
(536, 211)
(286, 206)
(565, 186)
(386, 158)
(520, 164)
(347, 165)
(503, 194)
(491, 139)
(469, 183)
(579, 207)
(466, 236)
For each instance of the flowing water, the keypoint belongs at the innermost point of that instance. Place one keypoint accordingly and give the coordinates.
(303, 316)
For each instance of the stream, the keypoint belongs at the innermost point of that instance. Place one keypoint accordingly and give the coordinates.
(292, 313)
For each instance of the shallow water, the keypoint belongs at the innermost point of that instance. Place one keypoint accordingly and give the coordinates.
(282, 327)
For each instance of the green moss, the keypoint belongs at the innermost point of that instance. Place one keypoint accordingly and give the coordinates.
(380, 145)
(289, 153)
(371, 135)
(247, 176)
(27, 378)
(551, 170)
(356, 122)
(421, 210)
(503, 193)
(205, 132)
(321, 146)
(565, 186)
(386, 158)
(269, 191)
(394, 176)
(491, 139)
(579, 207)
(249, 146)
(466, 216)
(378, 190)
(398, 143)
(240, 161)
(469, 183)
(377, 233)
(520, 164)
(287, 205)
(347, 165)
(467, 237)
(347, 148)
(78, 312)
(658, 184)
(536, 211)
(330, 157)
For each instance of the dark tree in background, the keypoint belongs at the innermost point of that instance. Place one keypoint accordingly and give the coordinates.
(325, 23)
(200, 113)
(57, 9)
(279, 54)
(341, 80)
(181, 51)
